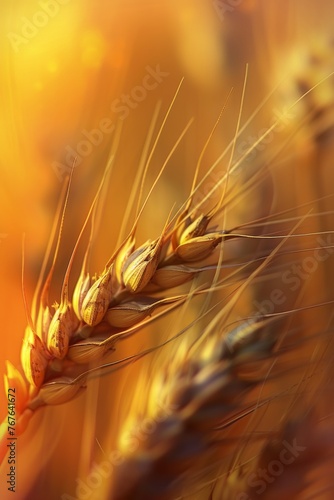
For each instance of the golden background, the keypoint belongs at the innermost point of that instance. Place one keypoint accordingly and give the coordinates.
(60, 79)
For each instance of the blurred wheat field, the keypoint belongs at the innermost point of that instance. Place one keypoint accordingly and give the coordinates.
(77, 77)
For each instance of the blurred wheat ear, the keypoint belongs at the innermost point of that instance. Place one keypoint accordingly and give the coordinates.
(203, 392)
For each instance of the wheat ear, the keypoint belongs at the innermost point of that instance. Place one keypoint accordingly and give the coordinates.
(202, 394)
(59, 347)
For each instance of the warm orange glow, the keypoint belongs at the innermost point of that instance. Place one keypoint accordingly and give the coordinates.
(76, 76)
